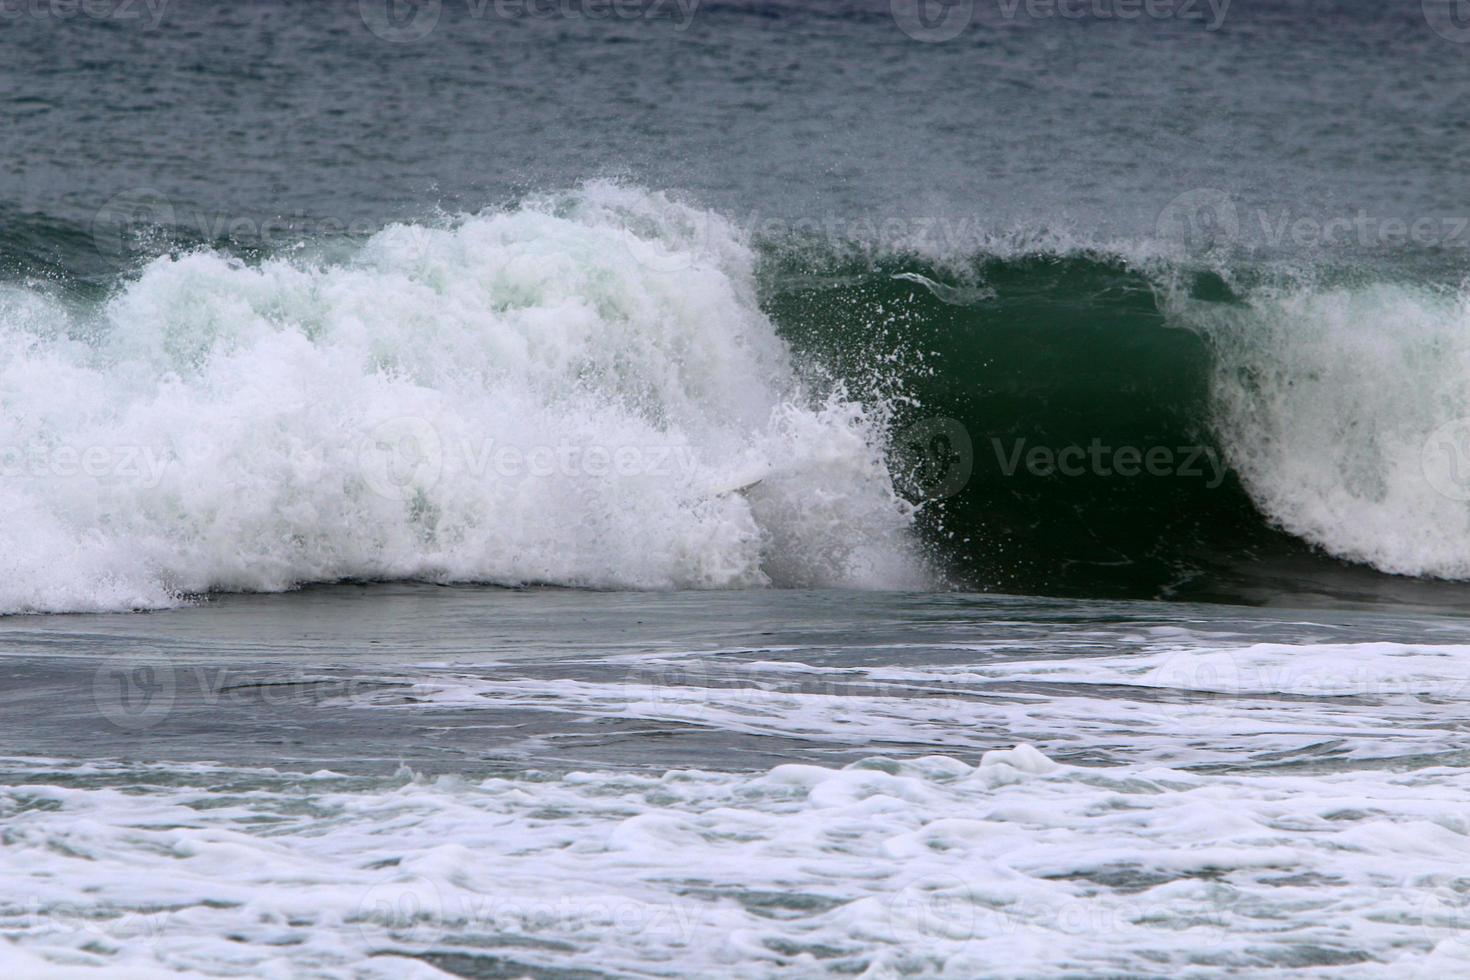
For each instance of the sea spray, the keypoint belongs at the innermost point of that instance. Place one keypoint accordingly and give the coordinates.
(314, 421)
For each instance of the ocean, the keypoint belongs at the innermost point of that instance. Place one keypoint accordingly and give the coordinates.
(635, 488)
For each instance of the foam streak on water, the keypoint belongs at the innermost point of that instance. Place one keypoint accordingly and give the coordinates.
(1006, 865)
(929, 786)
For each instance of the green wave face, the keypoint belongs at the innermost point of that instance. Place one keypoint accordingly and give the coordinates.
(1069, 422)
(1084, 455)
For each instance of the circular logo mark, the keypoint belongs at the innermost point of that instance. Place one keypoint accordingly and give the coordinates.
(674, 683)
(411, 911)
(130, 223)
(1445, 459)
(932, 21)
(401, 457)
(134, 691)
(1200, 675)
(1203, 219)
(400, 21)
(1445, 918)
(934, 907)
(934, 458)
(686, 243)
(1450, 19)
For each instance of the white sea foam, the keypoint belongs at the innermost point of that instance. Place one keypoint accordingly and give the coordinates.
(1346, 411)
(1006, 865)
(935, 787)
(571, 392)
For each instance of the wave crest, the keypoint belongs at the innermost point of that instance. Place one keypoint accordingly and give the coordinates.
(572, 392)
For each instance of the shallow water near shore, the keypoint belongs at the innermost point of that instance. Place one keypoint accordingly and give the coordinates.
(568, 783)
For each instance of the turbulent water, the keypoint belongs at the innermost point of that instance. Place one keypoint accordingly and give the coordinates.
(517, 397)
(608, 387)
(744, 489)
(562, 783)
